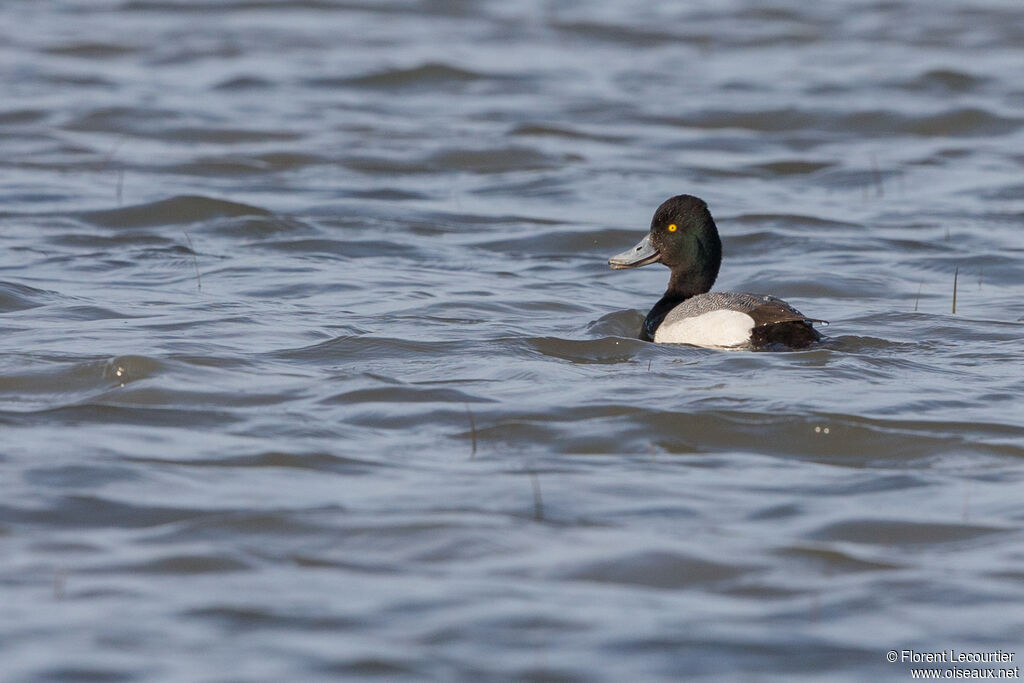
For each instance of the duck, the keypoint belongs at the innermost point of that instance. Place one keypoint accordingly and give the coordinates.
(684, 237)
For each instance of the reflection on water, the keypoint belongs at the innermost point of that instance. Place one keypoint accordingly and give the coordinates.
(313, 366)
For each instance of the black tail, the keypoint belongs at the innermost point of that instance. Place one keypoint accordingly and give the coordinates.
(794, 334)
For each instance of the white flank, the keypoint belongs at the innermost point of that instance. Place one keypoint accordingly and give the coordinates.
(716, 328)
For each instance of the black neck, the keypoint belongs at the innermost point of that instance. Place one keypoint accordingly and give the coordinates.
(658, 313)
(681, 286)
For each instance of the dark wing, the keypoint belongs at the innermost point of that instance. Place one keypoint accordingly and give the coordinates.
(776, 324)
(774, 311)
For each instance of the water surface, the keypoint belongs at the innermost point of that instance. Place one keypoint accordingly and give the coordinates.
(313, 366)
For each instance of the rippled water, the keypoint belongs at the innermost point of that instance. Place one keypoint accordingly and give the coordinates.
(313, 366)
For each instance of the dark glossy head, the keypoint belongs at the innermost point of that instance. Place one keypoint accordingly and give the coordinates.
(683, 236)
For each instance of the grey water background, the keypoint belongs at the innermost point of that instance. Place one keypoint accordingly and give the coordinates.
(313, 367)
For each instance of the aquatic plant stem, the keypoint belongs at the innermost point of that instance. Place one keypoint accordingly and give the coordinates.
(956, 273)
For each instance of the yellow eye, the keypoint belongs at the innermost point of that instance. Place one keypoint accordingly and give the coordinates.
(672, 227)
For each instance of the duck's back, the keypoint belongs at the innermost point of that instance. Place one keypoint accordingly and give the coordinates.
(731, 319)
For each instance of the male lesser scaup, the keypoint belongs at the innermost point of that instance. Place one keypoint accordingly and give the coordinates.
(683, 236)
